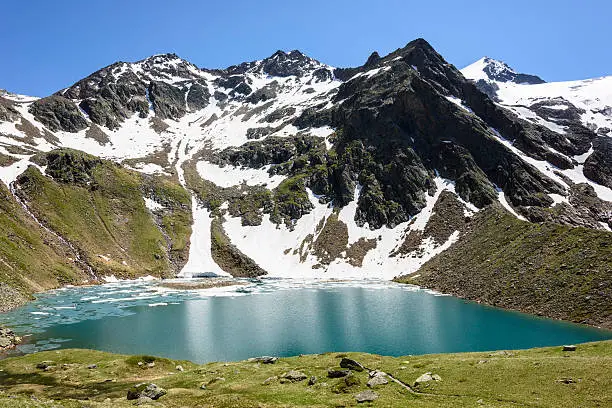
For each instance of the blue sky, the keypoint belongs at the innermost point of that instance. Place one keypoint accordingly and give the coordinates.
(47, 45)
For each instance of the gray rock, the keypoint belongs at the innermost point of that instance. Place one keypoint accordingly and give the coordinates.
(180, 368)
(378, 378)
(366, 396)
(92, 366)
(312, 380)
(569, 348)
(351, 364)
(295, 376)
(264, 359)
(426, 378)
(143, 401)
(151, 391)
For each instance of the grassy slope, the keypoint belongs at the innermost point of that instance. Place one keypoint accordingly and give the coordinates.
(516, 379)
(31, 259)
(544, 269)
(108, 217)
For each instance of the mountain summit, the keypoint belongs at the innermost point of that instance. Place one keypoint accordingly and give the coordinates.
(490, 69)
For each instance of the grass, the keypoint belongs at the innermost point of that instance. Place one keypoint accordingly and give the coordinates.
(31, 259)
(544, 377)
(546, 269)
(98, 207)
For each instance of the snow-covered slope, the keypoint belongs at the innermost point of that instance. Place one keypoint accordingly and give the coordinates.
(591, 97)
(562, 107)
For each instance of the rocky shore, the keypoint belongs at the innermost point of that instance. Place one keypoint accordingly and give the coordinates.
(205, 283)
(8, 339)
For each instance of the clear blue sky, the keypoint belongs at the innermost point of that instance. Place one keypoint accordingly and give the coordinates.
(47, 45)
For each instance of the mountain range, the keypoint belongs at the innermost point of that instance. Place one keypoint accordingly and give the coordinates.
(288, 167)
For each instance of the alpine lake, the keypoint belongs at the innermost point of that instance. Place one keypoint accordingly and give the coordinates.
(277, 317)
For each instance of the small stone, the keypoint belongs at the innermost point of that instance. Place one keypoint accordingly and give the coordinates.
(151, 364)
(43, 365)
(203, 386)
(92, 366)
(480, 401)
(333, 373)
(351, 364)
(569, 348)
(180, 368)
(366, 396)
(270, 380)
(312, 380)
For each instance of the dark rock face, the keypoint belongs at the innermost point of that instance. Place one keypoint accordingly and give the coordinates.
(266, 93)
(70, 166)
(598, 166)
(228, 257)
(168, 101)
(403, 121)
(584, 209)
(109, 99)
(488, 88)
(197, 96)
(58, 113)
(7, 112)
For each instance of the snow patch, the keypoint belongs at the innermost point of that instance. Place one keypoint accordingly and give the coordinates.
(229, 176)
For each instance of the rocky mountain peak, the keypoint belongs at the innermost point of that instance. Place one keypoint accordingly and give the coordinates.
(491, 69)
(281, 64)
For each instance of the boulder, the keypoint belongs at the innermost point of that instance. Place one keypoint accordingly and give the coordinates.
(351, 364)
(141, 390)
(377, 378)
(264, 359)
(569, 348)
(333, 373)
(366, 396)
(427, 377)
(180, 368)
(295, 376)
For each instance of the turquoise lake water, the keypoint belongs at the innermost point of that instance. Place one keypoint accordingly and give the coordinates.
(278, 317)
